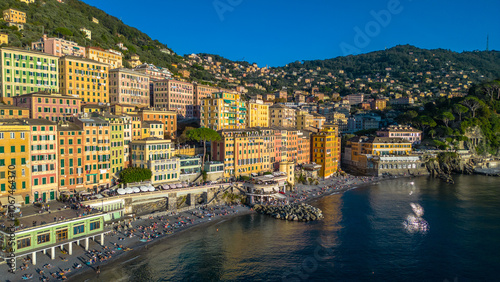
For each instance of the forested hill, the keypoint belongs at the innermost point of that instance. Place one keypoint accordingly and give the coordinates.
(65, 20)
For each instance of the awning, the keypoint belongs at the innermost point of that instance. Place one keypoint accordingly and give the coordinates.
(5, 200)
(227, 101)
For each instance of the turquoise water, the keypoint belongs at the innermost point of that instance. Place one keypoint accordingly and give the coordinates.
(362, 238)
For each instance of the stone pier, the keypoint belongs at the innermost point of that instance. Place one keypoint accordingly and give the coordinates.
(172, 202)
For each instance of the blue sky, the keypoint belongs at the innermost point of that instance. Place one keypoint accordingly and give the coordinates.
(276, 32)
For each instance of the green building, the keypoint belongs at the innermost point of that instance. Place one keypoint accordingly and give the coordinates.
(24, 72)
(116, 124)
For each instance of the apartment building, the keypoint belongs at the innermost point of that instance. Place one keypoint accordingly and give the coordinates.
(128, 87)
(4, 38)
(304, 119)
(14, 17)
(117, 145)
(326, 150)
(223, 110)
(50, 106)
(44, 166)
(71, 156)
(58, 47)
(13, 112)
(110, 57)
(174, 96)
(168, 118)
(280, 115)
(201, 92)
(26, 72)
(258, 114)
(15, 151)
(84, 78)
(402, 131)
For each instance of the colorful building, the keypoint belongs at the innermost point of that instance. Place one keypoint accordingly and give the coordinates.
(4, 38)
(304, 119)
(174, 96)
(223, 111)
(88, 33)
(155, 128)
(44, 161)
(13, 112)
(110, 57)
(97, 151)
(14, 17)
(258, 114)
(326, 150)
(50, 106)
(117, 145)
(26, 72)
(303, 147)
(280, 115)
(58, 47)
(15, 151)
(168, 118)
(201, 92)
(128, 87)
(157, 155)
(70, 140)
(84, 78)
(154, 72)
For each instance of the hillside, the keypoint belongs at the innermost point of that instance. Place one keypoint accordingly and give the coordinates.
(65, 20)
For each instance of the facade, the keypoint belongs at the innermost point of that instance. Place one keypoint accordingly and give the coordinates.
(304, 119)
(4, 38)
(318, 121)
(201, 92)
(401, 131)
(97, 151)
(24, 72)
(44, 166)
(84, 78)
(168, 118)
(378, 104)
(154, 73)
(110, 57)
(157, 155)
(71, 157)
(174, 96)
(155, 128)
(15, 150)
(134, 58)
(303, 147)
(58, 47)
(53, 107)
(117, 145)
(355, 99)
(13, 112)
(280, 115)
(223, 111)
(128, 87)
(14, 16)
(244, 151)
(88, 33)
(326, 150)
(258, 114)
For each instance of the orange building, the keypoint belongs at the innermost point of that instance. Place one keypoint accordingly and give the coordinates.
(168, 118)
(326, 150)
(110, 57)
(71, 157)
(303, 147)
(12, 112)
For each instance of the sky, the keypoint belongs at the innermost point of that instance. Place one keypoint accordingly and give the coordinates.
(277, 32)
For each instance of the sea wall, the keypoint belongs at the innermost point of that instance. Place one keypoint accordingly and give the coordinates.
(293, 212)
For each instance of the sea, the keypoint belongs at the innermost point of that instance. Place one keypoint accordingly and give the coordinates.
(407, 229)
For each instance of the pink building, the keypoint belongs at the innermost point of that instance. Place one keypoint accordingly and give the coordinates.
(58, 47)
(44, 181)
(128, 87)
(52, 107)
(402, 131)
(174, 96)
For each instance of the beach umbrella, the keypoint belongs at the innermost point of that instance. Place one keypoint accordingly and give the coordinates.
(121, 191)
(179, 185)
(128, 190)
(136, 190)
(151, 189)
(144, 188)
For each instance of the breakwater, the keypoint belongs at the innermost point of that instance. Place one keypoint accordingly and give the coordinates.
(293, 212)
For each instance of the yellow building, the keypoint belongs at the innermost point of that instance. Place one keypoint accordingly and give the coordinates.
(111, 57)
(258, 114)
(85, 78)
(157, 155)
(28, 1)
(4, 38)
(244, 151)
(326, 150)
(155, 128)
(14, 16)
(223, 111)
(14, 158)
(281, 115)
(304, 119)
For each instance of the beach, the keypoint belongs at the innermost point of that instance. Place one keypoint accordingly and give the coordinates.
(132, 236)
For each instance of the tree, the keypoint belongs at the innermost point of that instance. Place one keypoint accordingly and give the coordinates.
(460, 109)
(135, 174)
(473, 104)
(446, 117)
(203, 135)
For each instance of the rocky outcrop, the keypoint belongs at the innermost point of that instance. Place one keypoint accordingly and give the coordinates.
(293, 212)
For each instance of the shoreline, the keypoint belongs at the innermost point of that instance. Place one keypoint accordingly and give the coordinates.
(312, 193)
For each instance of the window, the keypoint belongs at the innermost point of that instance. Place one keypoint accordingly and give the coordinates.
(61, 235)
(12, 149)
(78, 229)
(23, 148)
(23, 243)
(43, 238)
(95, 225)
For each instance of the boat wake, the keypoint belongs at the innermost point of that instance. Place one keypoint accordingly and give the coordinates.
(414, 223)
